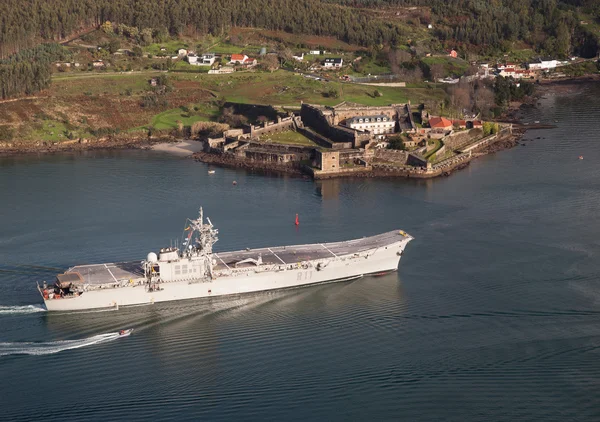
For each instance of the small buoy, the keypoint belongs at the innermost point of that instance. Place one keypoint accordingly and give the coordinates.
(234, 183)
(297, 221)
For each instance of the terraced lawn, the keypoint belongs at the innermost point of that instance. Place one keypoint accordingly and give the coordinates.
(289, 137)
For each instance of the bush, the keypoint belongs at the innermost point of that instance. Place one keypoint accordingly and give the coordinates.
(210, 129)
(396, 142)
(332, 93)
(7, 133)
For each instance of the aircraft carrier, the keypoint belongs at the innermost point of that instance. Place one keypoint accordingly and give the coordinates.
(195, 271)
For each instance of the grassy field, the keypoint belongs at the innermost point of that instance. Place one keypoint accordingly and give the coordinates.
(82, 103)
(451, 65)
(289, 137)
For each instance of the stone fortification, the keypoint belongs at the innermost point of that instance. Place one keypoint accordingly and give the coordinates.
(268, 128)
(345, 111)
(323, 121)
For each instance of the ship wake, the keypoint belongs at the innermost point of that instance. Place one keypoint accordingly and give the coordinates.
(51, 347)
(15, 310)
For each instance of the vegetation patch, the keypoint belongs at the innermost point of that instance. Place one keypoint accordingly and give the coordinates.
(289, 137)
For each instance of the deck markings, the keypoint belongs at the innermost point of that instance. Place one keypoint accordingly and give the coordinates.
(328, 250)
(277, 256)
(110, 272)
(217, 255)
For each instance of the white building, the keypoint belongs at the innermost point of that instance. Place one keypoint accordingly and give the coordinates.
(238, 58)
(192, 59)
(208, 59)
(544, 64)
(222, 70)
(378, 125)
(315, 52)
(299, 56)
(182, 52)
(204, 60)
(333, 62)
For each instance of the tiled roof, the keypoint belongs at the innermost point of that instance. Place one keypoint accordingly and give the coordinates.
(439, 122)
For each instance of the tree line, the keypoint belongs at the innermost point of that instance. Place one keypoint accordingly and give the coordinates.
(24, 21)
(553, 27)
(28, 71)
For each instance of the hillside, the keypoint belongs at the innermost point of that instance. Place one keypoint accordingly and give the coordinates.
(551, 26)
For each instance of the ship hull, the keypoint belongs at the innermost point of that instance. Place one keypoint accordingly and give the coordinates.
(378, 261)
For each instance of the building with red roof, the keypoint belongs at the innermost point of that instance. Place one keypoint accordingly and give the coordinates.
(440, 123)
(238, 58)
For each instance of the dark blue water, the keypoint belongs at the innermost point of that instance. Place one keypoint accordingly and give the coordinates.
(493, 315)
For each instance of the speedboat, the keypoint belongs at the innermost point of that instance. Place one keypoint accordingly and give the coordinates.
(125, 333)
(211, 172)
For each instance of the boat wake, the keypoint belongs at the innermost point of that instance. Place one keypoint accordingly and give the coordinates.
(27, 309)
(51, 347)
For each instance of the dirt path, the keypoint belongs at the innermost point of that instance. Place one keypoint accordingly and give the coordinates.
(12, 100)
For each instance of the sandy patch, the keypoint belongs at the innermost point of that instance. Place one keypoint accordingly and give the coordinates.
(182, 148)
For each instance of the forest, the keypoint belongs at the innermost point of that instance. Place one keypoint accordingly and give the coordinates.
(28, 71)
(549, 25)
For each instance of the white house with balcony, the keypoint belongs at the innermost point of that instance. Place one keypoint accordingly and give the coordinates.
(207, 59)
(378, 125)
(335, 62)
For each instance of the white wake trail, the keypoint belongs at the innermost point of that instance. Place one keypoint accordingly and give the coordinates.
(27, 309)
(51, 347)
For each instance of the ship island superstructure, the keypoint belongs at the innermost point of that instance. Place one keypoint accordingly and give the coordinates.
(195, 271)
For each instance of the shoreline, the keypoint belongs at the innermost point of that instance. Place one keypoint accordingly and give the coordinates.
(192, 148)
(8, 149)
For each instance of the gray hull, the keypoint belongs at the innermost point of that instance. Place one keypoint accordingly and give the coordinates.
(235, 273)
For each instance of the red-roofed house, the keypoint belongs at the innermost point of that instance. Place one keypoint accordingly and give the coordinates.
(238, 58)
(459, 123)
(440, 123)
(249, 62)
(475, 124)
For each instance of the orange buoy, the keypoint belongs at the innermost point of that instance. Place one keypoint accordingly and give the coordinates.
(297, 221)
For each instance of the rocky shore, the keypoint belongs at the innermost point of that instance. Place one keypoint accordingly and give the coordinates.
(226, 161)
(107, 143)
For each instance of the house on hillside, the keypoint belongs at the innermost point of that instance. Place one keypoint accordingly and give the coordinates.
(238, 58)
(335, 62)
(249, 62)
(315, 52)
(543, 64)
(507, 66)
(453, 53)
(98, 63)
(298, 56)
(192, 59)
(440, 123)
(461, 124)
(182, 52)
(208, 59)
